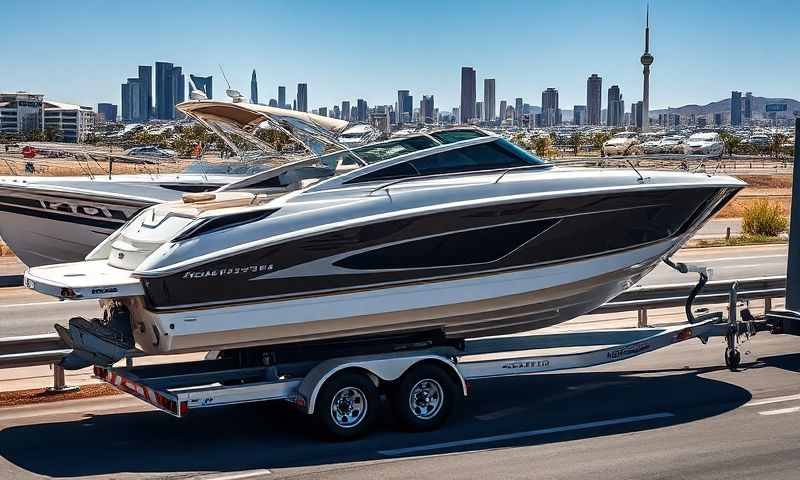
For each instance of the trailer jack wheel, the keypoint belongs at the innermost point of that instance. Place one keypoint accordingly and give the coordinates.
(733, 358)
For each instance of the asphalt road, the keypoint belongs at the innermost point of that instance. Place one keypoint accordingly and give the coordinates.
(675, 413)
(23, 312)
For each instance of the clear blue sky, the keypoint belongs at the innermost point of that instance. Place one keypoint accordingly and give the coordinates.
(81, 51)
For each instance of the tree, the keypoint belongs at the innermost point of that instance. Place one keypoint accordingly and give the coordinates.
(776, 144)
(732, 143)
(543, 146)
(576, 142)
(599, 138)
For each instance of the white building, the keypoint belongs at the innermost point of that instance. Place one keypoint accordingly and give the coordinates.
(73, 122)
(20, 112)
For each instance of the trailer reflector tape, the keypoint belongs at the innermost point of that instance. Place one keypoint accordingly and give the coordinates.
(529, 433)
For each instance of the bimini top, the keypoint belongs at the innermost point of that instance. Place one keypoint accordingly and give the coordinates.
(248, 116)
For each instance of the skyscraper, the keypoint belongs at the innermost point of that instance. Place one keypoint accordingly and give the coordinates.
(426, 109)
(488, 99)
(748, 106)
(145, 92)
(322, 111)
(467, 107)
(502, 113)
(579, 115)
(736, 108)
(165, 96)
(363, 110)
(478, 109)
(346, 110)
(178, 89)
(647, 60)
(302, 97)
(282, 97)
(253, 88)
(616, 107)
(639, 117)
(551, 115)
(205, 84)
(518, 111)
(594, 93)
(404, 107)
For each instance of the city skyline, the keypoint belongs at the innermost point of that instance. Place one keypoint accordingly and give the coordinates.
(703, 70)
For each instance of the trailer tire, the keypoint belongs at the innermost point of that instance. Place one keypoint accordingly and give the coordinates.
(347, 406)
(424, 397)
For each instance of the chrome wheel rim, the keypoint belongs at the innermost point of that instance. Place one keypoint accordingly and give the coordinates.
(425, 399)
(349, 407)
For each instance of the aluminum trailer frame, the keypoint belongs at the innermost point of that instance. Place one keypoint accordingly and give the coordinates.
(181, 387)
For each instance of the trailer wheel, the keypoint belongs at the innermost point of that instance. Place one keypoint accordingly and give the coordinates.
(424, 397)
(347, 405)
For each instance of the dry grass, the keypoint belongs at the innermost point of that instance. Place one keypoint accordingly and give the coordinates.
(767, 181)
(5, 251)
(44, 168)
(39, 395)
(735, 241)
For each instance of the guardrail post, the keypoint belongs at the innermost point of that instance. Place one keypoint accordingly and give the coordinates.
(59, 381)
(642, 321)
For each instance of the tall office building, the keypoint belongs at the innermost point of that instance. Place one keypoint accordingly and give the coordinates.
(346, 110)
(551, 115)
(478, 109)
(204, 84)
(146, 92)
(638, 114)
(426, 109)
(616, 107)
(503, 108)
(253, 88)
(337, 113)
(579, 115)
(282, 97)
(323, 111)
(467, 106)
(488, 99)
(748, 106)
(165, 95)
(736, 108)
(179, 89)
(363, 110)
(594, 93)
(108, 112)
(647, 60)
(518, 111)
(302, 97)
(405, 107)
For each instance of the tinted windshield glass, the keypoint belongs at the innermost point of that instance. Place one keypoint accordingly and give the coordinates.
(385, 151)
(225, 168)
(495, 155)
(452, 136)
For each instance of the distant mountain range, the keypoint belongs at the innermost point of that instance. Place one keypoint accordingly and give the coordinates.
(758, 106)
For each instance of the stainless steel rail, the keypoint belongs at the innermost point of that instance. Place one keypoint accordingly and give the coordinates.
(47, 349)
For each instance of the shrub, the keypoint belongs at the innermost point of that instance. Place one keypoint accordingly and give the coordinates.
(764, 218)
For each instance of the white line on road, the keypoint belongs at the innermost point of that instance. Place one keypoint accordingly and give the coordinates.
(530, 433)
(767, 401)
(728, 259)
(780, 411)
(237, 475)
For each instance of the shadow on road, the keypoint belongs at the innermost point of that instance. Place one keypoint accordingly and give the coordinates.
(273, 436)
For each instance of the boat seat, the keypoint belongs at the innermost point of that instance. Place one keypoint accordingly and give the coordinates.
(202, 202)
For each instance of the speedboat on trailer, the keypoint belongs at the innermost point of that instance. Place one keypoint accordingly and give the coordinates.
(469, 237)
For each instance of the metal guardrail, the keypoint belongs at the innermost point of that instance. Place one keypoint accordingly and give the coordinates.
(48, 349)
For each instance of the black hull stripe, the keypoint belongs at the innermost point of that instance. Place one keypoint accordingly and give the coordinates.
(63, 217)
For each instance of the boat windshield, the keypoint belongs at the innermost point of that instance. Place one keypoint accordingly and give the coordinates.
(224, 168)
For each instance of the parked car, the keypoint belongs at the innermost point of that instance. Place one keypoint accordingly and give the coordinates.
(151, 151)
(705, 143)
(620, 144)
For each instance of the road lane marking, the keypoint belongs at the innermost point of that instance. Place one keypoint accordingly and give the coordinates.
(529, 433)
(780, 411)
(767, 401)
(237, 475)
(728, 259)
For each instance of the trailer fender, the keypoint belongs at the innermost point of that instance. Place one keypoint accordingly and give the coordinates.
(386, 368)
